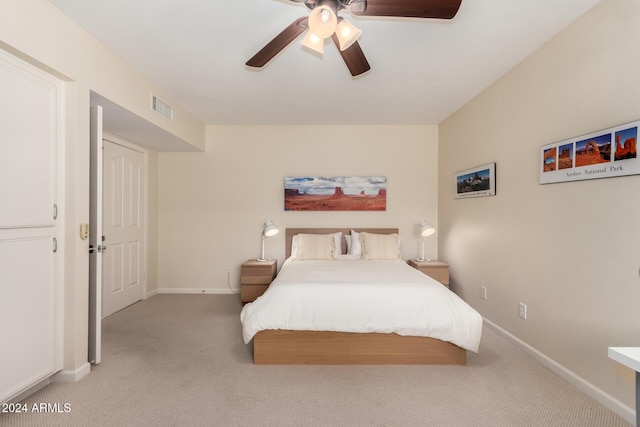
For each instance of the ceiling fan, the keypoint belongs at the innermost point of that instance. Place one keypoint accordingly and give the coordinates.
(323, 22)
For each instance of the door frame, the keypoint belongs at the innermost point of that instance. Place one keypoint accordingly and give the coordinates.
(94, 353)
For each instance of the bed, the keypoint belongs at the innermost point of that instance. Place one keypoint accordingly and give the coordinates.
(319, 311)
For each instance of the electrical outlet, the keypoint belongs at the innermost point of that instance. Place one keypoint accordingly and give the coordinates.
(228, 271)
(483, 292)
(522, 310)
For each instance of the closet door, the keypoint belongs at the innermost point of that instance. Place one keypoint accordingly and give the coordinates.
(30, 231)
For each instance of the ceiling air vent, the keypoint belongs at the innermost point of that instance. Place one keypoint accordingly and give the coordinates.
(162, 108)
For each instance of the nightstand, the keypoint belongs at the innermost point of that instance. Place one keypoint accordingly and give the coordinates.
(255, 278)
(437, 269)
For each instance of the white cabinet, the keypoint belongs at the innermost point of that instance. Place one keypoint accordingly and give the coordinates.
(31, 232)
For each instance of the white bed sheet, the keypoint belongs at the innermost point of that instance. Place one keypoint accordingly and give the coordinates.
(362, 296)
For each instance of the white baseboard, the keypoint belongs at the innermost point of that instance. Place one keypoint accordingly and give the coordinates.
(69, 376)
(28, 392)
(149, 294)
(63, 376)
(580, 383)
(197, 291)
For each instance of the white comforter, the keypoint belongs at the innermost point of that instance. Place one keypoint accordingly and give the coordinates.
(362, 296)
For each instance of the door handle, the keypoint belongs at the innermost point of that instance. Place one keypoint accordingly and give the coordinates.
(99, 248)
(102, 248)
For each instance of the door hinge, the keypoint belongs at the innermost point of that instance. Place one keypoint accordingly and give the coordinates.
(55, 245)
(55, 211)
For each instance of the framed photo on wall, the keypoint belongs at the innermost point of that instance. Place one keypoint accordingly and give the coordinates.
(476, 182)
(335, 193)
(602, 154)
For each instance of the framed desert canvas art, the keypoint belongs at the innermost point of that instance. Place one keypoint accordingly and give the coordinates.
(336, 193)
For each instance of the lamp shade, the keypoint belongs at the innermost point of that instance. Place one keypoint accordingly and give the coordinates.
(426, 229)
(313, 42)
(270, 229)
(347, 33)
(323, 21)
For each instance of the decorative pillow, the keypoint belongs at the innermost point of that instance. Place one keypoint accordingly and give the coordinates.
(355, 248)
(316, 247)
(337, 237)
(380, 246)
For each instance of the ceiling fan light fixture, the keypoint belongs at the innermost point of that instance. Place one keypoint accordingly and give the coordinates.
(323, 21)
(347, 33)
(313, 42)
(325, 16)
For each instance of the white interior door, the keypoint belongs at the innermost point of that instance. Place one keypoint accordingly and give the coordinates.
(95, 238)
(123, 227)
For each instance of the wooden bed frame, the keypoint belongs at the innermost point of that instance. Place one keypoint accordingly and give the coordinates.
(281, 347)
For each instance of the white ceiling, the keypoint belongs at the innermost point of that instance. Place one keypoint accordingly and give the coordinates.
(422, 70)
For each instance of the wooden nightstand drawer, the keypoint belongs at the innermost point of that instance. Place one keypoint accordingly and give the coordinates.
(255, 278)
(249, 293)
(436, 269)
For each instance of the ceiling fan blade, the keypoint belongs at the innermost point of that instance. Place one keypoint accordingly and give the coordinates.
(441, 9)
(278, 43)
(354, 57)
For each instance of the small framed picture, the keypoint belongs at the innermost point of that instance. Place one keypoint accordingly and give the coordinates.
(476, 182)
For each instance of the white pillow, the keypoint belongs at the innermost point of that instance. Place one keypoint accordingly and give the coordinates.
(380, 246)
(316, 247)
(337, 238)
(347, 239)
(355, 249)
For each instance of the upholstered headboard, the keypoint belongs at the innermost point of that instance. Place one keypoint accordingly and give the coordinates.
(290, 232)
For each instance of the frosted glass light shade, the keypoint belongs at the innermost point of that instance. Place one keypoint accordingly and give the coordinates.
(323, 21)
(313, 42)
(347, 34)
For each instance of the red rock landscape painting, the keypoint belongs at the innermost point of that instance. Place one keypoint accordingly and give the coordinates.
(626, 143)
(338, 193)
(594, 150)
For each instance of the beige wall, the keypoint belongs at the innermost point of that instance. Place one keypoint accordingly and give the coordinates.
(569, 250)
(39, 33)
(212, 205)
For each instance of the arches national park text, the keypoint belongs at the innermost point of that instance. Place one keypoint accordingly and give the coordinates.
(595, 171)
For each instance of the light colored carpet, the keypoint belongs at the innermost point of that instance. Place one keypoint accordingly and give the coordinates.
(179, 360)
